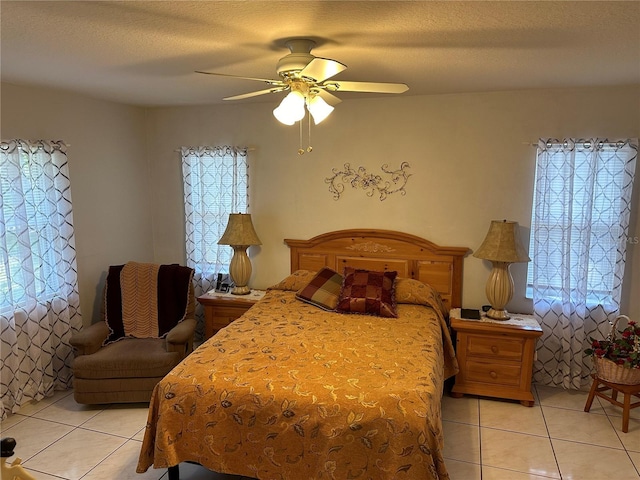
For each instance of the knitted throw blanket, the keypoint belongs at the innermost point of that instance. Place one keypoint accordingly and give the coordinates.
(146, 300)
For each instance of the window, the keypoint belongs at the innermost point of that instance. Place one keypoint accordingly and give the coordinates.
(580, 218)
(39, 300)
(36, 222)
(216, 181)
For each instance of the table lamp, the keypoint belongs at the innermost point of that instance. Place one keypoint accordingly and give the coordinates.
(502, 246)
(240, 234)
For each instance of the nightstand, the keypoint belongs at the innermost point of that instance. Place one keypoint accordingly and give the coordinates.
(495, 357)
(220, 309)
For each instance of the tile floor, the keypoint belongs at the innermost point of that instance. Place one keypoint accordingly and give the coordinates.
(484, 440)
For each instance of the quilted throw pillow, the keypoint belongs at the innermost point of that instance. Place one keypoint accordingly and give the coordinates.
(323, 289)
(368, 292)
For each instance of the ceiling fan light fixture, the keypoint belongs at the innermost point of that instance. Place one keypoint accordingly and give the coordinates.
(291, 109)
(319, 109)
(307, 78)
(281, 116)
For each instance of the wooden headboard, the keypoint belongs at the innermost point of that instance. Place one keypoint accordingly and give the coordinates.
(410, 256)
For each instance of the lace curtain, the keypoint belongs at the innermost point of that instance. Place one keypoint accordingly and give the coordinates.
(582, 204)
(216, 181)
(39, 302)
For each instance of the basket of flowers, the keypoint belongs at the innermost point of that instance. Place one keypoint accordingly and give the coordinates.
(617, 358)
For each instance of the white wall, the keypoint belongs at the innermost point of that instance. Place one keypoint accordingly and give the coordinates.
(468, 156)
(467, 152)
(109, 176)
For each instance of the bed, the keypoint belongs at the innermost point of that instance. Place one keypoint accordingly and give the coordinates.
(293, 391)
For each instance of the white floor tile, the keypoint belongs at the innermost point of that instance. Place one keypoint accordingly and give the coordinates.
(463, 470)
(519, 452)
(76, 454)
(536, 397)
(40, 475)
(631, 439)
(11, 420)
(139, 435)
(570, 399)
(66, 410)
(635, 458)
(484, 439)
(579, 461)
(462, 410)
(513, 417)
(581, 427)
(32, 406)
(121, 464)
(33, 435)
(461, 442)
(125, 420)
(493, 473)
(614, 411)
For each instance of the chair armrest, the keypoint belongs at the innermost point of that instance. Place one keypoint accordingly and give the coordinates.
(89, 340)
(180, 337)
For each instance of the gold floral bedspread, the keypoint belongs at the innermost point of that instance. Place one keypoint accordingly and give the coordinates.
(290, 391)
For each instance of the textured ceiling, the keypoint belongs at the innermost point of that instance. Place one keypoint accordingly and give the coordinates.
(145, 53)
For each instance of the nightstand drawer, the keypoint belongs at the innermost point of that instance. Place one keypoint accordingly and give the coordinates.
(229, 314)
(221, 309)
(223, 316)
(492, 373)
(495, 347)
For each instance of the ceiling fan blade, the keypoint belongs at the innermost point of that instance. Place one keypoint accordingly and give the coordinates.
(322, 68)
(256, 93)
(270, 82)
(371, 87)
(328, 97)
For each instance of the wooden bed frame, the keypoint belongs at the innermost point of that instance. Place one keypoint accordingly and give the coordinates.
(410, 256)
(374, 249)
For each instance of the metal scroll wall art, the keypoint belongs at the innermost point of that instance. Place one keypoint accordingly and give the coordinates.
(369, 182)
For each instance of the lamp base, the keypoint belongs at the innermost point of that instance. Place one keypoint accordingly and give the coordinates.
(498, 314)
(240, 270)
(242, 290)
(499, 290)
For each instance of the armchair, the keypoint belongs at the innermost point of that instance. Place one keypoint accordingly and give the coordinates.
(147, 328)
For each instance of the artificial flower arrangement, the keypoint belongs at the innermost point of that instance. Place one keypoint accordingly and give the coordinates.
(622, 349)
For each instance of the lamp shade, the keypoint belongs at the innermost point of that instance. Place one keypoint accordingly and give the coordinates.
(502, 243)
(319, 109)
(239, 231)
(291, 109)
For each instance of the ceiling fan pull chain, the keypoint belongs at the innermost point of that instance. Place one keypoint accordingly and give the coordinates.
(300, 149)
(309, 147)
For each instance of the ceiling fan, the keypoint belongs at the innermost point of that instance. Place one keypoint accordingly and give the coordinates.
(307, 78)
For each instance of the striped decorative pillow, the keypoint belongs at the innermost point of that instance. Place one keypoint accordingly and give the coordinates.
(323, 289)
